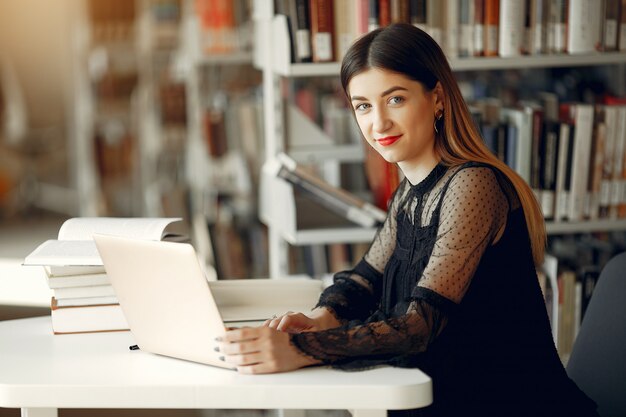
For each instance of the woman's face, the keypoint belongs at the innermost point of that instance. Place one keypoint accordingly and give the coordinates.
(396, 116)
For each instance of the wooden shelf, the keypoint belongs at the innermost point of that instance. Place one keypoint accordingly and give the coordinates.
(557, 228)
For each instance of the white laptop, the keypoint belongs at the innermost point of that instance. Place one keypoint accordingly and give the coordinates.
(165, 297)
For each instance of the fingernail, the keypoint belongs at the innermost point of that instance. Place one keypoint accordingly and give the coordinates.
(216, 348)
(221, 358)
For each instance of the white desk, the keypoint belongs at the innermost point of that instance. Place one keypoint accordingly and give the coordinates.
(40, 373)
(23, 286)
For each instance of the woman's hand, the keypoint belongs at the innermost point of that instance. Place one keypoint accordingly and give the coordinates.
(319, 319)
(261, 350)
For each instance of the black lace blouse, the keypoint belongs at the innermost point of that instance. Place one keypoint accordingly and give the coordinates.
(449, 285)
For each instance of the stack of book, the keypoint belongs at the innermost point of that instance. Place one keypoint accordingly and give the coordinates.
(84, 300)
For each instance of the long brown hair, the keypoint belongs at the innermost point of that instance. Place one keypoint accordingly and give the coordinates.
(407, 50)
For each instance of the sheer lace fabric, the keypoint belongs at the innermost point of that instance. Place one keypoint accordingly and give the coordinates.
(396, 301)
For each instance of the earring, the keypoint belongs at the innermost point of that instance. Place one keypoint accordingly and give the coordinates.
(438, 118)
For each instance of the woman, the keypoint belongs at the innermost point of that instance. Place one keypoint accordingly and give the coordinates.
(449, 283)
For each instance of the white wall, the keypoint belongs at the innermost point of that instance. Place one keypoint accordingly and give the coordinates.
(34, 34)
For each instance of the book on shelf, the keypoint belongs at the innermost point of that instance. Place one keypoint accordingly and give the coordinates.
(333, 198)
(299, 25)
(563, 171)
(465, 28)
(622, 27)
(584, 23)
(90, 318)
(511, 35)
(384, 12)
(75, 246)
(611, 25)
(345, 21)
(418, 14)
(491, 24)
(322, 30)
(567, 313)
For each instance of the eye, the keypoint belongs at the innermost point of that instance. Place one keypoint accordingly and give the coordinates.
(396, 100)
(362, 107)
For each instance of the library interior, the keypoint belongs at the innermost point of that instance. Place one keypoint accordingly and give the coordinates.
(224, 124)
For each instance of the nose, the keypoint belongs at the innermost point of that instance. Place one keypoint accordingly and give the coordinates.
(381, 122)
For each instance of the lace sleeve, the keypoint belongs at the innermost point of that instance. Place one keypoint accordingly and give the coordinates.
(473, 210)
(392, 340)
(355, 294)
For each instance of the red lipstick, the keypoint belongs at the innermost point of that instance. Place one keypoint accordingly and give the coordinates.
(387, 141)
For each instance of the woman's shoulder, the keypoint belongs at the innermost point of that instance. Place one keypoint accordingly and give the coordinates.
(479, 172)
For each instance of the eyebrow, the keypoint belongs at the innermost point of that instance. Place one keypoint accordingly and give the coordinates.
(383, 94)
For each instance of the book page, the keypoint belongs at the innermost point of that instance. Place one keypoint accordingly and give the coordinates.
(82, 228)
(65, 252)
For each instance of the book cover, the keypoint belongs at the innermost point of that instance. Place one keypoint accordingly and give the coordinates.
(434, 20)
(622, 27)
(556, 26)
(333, 198)
(619, 174)
(384, 12)
(217, 24)
(400, 11)
(466, 28)
(584, 23)
(512, 30)
(417, 14)
(361, 17)
(567, 311)
(521, 119)
(563, 173)
(597, 161)
(492, 20)
(450, 17)
(373, 15)
(345, 26)
(536, 31)
(299, 25)
(479, 27)
(608, 114)
(582, 149)
(322, 30)
(549, 151)
(611, 25)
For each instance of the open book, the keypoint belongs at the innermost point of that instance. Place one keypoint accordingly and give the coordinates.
(333, 198)
(75, 246)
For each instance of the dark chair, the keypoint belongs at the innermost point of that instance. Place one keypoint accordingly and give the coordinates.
(598, 360)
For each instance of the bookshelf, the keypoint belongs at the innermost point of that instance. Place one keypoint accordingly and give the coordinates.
(273, 56)
(171, 171)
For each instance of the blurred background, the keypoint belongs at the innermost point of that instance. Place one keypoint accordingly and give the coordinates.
(127, 108)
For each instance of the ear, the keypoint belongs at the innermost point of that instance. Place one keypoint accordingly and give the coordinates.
(439, 97)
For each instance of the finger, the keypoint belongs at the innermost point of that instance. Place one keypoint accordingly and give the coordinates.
(238, 348)
(239, 335)
(285, 323)
(244, 360)
(275, 322)
(259, 368)
(295, 322)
